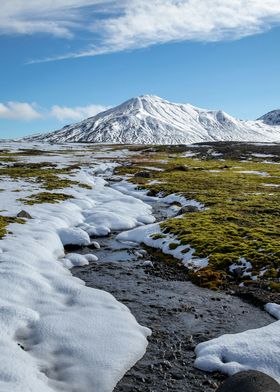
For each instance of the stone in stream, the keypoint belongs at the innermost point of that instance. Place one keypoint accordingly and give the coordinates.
(148, 263)
(76, 247)
(250, 381)
(94, 245)
(73, 247)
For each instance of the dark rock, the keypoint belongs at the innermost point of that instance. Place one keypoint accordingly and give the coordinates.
(238, 272)
(143, 174)
(187, 209)
(250, 381)
(72, 247)
(180, 168)
(24, 214)
(19, 164)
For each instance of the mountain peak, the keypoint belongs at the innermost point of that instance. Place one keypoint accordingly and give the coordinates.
(149, 119)
(271, 118)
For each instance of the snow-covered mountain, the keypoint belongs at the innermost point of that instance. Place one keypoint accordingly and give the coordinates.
(271, 118)
(151, 120)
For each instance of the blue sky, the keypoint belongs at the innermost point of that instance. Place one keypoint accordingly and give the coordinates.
(84, 56)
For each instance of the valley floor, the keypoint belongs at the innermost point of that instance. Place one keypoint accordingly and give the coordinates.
(134, 254)
(180, 315)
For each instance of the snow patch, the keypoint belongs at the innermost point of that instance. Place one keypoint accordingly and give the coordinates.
(74, 236)
(152, 236)
(256, 349)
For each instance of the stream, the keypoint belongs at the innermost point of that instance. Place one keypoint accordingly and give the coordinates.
(180, 314)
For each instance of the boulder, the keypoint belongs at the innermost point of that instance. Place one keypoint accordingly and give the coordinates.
(250, 381)
(24, 214)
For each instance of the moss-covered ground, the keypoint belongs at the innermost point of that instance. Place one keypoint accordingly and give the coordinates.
(45, 197)
(45, 174)
(5, 221)
(241, 218)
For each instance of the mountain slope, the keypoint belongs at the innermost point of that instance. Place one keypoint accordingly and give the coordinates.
(271, 118)
(152, 120)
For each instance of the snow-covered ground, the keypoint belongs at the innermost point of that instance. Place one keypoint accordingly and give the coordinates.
(59, 335)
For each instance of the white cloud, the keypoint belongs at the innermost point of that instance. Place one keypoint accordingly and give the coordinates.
(63, 113)
(55, 17)
(130, 24)
(19, 111)
(24, 111)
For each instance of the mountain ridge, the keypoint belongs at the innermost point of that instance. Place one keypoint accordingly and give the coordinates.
(149, 119)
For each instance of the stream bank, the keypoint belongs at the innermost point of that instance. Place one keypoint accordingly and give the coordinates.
(180, 314)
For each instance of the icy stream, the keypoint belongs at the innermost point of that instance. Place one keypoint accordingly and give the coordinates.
(180, 314)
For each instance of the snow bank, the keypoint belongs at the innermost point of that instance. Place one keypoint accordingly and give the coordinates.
(256, 349)
(152, 236)
(74, 236)
(128, 188)
(114, 210)
(56, 334)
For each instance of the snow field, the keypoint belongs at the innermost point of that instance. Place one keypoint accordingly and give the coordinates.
(55, 333)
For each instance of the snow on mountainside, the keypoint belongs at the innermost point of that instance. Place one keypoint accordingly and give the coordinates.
(151, 120)
(271, 118)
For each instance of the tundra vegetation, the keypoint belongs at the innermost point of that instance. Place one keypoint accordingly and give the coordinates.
(46, 175)
(239, 185)
(241, 219)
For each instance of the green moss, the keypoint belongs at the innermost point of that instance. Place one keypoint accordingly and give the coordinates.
(275, 286)
(45, 197)
(173, 245)
(5, 221)
(242, 215)
(158, 236)
(46, 174)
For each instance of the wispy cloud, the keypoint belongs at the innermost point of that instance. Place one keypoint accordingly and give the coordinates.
(19, 111)
(131, 24)
(59, 18)
(24, 111)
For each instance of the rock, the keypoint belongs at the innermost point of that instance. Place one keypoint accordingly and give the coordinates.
(73, 247)
(148, 263)
(24, 214)
(180, 168)
(238, 272)
(143, 174)
(187, 209)
(94, 245)
(250, 381)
